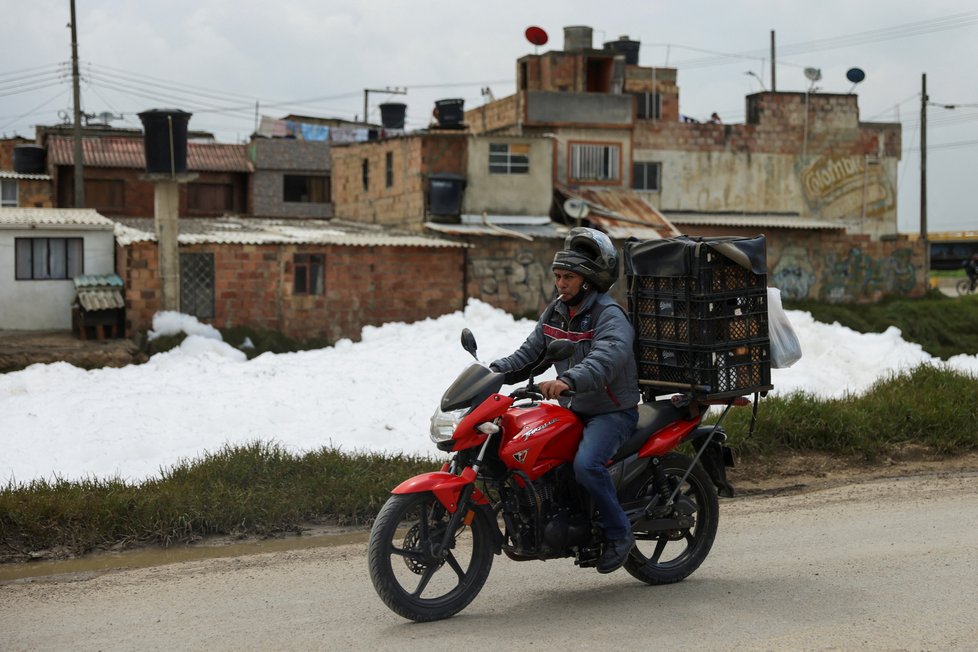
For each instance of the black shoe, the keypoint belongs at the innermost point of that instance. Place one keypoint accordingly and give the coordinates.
(615, 553)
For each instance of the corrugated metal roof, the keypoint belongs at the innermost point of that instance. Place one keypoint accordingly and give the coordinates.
(237, 230)
(622, 213)
(123, 152)
(94, 280)
(100, 298)
(524, 231)
(762, 221)
(10, 174)
(34, 218)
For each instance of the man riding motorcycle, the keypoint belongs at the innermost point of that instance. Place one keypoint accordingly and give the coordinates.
(601, 374)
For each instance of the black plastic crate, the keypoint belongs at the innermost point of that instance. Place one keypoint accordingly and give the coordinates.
(700, 321)
(716, 373)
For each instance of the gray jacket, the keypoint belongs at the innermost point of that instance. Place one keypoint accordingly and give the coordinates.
(601, 371)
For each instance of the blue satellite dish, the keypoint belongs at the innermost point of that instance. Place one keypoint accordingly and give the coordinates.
(855, 75)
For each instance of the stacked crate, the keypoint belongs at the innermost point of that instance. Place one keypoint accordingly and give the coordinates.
(699, 308)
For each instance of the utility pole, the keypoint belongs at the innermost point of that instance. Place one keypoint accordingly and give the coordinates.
(923, 174)
(774, 76)
(76, 91)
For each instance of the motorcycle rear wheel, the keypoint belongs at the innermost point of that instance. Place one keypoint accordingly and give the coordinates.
(667, 557)
(963, 287)
(407, 572)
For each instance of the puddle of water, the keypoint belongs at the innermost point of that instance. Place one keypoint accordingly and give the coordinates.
(96, 564)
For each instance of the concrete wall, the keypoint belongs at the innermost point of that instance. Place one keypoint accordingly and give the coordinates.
(509, 194)
(253, 286)
(584, 108)
(46, 304)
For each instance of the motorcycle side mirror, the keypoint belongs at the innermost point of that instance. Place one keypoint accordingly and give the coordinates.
(468, 342)
(560, 350)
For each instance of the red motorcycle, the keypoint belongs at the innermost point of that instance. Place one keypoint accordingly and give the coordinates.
(510, 488)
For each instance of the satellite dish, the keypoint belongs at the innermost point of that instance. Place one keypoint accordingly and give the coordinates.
(813, 74)
(855, 75)
(536, 35)
(576, 208)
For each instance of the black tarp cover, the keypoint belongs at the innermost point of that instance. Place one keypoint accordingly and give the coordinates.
(680, 256)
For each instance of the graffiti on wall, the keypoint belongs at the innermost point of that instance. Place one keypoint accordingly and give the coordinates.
(521, 285)
(860, 275)
(847, 186)
(794, 274)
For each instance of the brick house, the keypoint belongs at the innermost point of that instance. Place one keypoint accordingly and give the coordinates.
(24, 183)
(114, 169)
(308, 279)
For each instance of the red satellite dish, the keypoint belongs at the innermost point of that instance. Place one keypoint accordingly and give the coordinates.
(536, 35)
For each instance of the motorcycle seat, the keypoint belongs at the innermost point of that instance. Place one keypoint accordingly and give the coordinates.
(651, 417)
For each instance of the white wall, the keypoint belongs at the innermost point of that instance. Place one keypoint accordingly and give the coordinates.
(46, 305)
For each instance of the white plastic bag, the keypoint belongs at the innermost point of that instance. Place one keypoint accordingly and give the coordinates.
(785, 347)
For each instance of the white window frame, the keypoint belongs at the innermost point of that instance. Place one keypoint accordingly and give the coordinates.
(595, 162)
(648, 105)
(503, 160)
(9, 193)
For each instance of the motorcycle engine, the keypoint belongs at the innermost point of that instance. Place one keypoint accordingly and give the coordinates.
(551, 503)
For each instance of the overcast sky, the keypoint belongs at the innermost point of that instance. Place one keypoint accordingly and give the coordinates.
(217, 58)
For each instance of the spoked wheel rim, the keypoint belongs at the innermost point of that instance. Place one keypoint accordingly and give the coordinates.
(408, 568)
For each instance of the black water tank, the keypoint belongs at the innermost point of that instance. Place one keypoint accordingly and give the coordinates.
(627, 47)
(161, 128)
(450, 113)
(445, 196)
(29, 159)
(392, 115)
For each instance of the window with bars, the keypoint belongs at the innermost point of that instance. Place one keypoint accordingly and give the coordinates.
(509, 158)
(593, 162)
(48, 258)
(646, 176)
(307, 189)
(308, 272)
(648, 106)
(197, 285)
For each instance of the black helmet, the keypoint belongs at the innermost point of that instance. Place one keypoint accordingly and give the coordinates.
(591, 254)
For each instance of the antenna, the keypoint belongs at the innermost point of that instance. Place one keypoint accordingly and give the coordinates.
(855, 75)
(813, 75)
(537, 36)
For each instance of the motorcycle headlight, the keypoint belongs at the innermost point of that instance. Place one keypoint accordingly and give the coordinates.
(443, 424)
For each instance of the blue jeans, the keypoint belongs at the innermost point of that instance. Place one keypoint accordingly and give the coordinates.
(603, 436)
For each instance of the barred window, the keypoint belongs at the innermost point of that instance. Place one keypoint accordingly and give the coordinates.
(48, 258)
(509, 158)
(595, 162)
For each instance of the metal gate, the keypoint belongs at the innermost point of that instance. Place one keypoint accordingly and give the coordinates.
(197, 285)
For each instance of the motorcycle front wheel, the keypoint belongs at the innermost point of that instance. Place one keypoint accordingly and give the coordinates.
(407, 567)
(663, 557)
(964, 287)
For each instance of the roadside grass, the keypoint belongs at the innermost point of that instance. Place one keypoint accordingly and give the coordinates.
(262, 489)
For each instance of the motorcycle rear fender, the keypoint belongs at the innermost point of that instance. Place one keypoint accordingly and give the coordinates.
(446, 487)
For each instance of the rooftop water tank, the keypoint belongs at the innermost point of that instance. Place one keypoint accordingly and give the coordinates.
(577, 38)
(165, 140)
(450, 113)
(626, 46)
(30, 159)
(392, 115)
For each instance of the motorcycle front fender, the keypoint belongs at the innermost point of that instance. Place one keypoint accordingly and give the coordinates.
(447, 487)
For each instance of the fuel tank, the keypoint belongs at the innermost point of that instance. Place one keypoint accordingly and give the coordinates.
(539, 437)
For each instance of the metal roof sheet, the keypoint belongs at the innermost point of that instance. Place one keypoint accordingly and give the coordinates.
(762, 221)
(40, 218)
(100, 298)
(524, 231)
(238, 230)
(128, 152)
(622, 213)
(95, 280)
(10, 174)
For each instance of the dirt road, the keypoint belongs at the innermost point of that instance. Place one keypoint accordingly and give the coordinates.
(886, 564)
